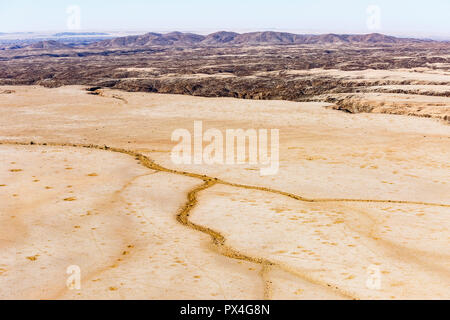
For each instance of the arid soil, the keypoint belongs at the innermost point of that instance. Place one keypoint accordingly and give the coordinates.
(87, 180)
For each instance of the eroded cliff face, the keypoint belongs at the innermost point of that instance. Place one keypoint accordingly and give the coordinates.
(406, 104)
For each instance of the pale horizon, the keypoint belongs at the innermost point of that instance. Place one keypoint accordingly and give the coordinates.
(402, 18)
(118, 33)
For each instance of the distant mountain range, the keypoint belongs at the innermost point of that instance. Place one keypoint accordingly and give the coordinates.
(217, 39)
(252, 38)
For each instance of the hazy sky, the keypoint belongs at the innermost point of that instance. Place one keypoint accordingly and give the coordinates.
(401, 17)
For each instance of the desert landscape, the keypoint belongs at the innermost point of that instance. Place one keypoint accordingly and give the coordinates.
(357, 210)
(356, 73)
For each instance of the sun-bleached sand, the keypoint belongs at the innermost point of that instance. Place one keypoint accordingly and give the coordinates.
(356, 195)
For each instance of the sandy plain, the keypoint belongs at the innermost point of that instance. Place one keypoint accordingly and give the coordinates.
(87, 180)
